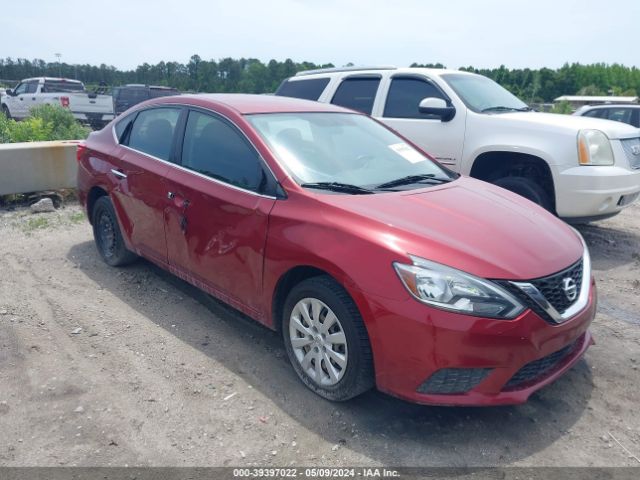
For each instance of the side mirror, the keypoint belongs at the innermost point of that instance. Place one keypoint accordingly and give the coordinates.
(9, 92)
(437, 107)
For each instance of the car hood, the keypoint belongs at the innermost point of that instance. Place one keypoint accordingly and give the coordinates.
(571, 123)
(469, 225)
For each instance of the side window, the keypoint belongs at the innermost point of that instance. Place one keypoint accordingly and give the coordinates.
(214, 148)
(310, 89)
(620, 115)
(152, 131)
(596, 113)
(122, 128)
(32, 87)
(357, 94)
(20, 89)
(405, 95)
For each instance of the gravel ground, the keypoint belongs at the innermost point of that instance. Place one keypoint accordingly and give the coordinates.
(131, 366)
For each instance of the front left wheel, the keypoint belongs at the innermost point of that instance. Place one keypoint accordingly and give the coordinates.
(326, 340)
(107, 235)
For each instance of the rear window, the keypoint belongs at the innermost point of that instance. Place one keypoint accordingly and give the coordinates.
(136, 95)
(60, 86)
(357, 94)
(310, 89)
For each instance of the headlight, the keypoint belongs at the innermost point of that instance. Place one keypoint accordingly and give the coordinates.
(451, 289)
(594, 148)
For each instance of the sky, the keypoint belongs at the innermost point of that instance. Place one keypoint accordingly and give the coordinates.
(483, 34)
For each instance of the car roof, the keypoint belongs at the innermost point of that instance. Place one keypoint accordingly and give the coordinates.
(248, 103)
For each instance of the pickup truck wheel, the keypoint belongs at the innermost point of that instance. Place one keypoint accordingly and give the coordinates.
(6, 112)
(526, 188)
(107, 235)
(326, 340)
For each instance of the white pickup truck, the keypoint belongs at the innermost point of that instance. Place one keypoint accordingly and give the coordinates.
(580, 168)
(87, 107)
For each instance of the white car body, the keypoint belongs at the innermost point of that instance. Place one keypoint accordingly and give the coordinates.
(474, 143)
(96, 110)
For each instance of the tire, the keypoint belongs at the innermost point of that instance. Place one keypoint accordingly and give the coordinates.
(526, 188)
(107, 235)
(6, 112)
(337, 382)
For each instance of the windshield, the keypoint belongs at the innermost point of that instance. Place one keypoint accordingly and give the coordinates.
(346, 149)
(482, 94)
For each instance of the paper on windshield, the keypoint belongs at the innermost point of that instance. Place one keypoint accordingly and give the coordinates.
(406, 152)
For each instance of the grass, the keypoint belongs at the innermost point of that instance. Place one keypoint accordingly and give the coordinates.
(36, 224)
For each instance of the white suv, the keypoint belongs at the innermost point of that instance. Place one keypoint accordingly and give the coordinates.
(580, 168)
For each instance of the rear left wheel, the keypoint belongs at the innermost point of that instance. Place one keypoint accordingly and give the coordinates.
(107, 235)
(326, 340)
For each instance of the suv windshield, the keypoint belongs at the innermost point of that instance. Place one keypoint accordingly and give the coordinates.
(482, 94)
(345, 152)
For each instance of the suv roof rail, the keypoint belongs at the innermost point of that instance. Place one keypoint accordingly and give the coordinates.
(343, 69)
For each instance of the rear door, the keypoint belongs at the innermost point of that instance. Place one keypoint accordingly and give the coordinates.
(216, 225)
(145, 154)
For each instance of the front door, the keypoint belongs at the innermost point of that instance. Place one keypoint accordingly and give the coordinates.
(17, 102)
(399, 110)
(216, 225)
(140, 165)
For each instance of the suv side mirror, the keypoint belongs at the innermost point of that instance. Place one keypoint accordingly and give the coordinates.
(437, 107)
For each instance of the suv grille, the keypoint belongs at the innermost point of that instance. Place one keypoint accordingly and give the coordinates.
(631, 148)
(541, 367)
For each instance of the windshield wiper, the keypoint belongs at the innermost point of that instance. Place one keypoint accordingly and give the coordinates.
(501, 108)
(409, 179)
(338, 187)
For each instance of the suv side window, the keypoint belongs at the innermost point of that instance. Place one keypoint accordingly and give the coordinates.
(596, 113)
(619, 114)
(310, 89)
(405, 94)
(215, 148)
(152, 131)
(357, 93)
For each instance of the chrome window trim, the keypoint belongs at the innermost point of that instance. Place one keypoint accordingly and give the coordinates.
(180, 167)
(582, 301)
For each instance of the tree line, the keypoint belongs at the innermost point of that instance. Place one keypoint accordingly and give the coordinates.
(253, 76)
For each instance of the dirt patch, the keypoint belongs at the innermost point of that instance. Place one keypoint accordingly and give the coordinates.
(131, 366)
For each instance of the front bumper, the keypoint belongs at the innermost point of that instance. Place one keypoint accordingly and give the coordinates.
(592, 192)
(412, 343)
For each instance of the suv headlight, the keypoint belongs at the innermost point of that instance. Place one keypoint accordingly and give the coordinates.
(450, 289)
(594, 148)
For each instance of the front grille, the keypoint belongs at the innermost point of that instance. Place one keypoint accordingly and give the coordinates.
(553, 289)
(631, 147)
(539, 368)
(453, 380)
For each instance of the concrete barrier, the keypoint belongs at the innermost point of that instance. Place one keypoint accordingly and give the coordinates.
(37, 166)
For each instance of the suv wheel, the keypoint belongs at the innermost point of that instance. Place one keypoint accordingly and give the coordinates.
(526, 188)
(107, 235)
(326, 340)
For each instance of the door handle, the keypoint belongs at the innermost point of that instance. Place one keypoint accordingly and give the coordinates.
(119, 173)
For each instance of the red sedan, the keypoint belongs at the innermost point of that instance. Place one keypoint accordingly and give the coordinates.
(378, 265)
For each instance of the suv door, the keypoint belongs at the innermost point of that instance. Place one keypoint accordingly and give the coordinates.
(144, 155)
(399, 109)
(216, 225)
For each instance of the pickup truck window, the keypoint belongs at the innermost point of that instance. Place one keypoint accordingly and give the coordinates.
(20, 89)
(57, 86)
(310, 89)
(152, 131)
(32, 87)
(405, 95)
(214, 148)
(357, 94)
